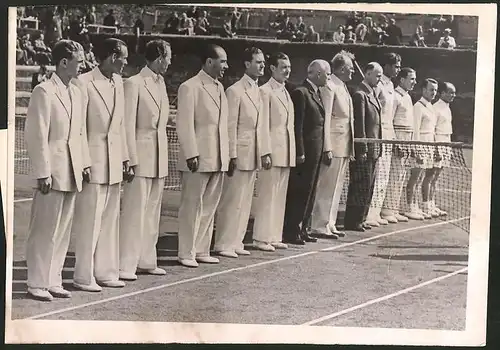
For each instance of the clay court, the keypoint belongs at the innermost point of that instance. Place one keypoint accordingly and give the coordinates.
(405, 275)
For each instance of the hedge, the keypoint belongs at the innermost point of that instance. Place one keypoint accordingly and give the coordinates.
(456, 66)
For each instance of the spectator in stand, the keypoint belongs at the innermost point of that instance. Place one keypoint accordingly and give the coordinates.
(90, 60)
(202, 26)
(312, 36)
(186, 25)
(172, 25)
(138, 27)
(418, 38)
(193, 12)
(286, 30)
(300, 25)
(28, 47)
(21, 55)
(227, 31)
(235, 19)
(52, 24)
(394, 34)
(447, 41)
(42, 52)
(439, 23)
(353, 20)
(110, 19)
(361, 31)
(338, 35)
(433, 36)
(91, 17)
(39, 77)
(350, 36)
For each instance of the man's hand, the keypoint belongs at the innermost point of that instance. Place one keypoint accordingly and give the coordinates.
(45, 184)
(266, 162)
(232, 167)
(86, 175)
(193, 164)
(300, 159)
(327, 158)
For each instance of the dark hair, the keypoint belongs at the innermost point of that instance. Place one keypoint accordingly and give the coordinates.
(427, 81)
(444, 86)
(391, 58)
(275, 57)
(110, 46)
(64, 49)
(156, 48)
(210, 51)
(404, 72)
(249, 52)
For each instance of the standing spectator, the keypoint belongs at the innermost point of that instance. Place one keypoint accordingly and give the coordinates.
(350, 36)
(90, 60)
(202, 25)
(193, 12)
(360, 32)
(300, 25)
(110, 20)
(235, 19)
(394, 34)
(312, 36)
(139, 24)
(447, 41)
(418, 38)
(227, 30)
(91, 16)
(338, 35)
(172, 25)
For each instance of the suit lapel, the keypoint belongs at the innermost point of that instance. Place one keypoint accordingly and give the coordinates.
(63, 102)
(216, 99)
(370, 93)
(74, 124)
(256, 104)
(148, 83)
(99, 87)
(117, 95)
(315, 95)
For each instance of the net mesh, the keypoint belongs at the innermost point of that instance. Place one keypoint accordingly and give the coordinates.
(453, 187)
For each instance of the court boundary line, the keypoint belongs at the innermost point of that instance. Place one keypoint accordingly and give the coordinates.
(383, 298)
(241, 268)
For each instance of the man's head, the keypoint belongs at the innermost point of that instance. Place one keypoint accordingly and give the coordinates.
(373, 73)
(407, 78)
(280, 66)
(429, 89)
(319, 72)
(447, 92)
(113, 54)
(447, 32)
(67, 56)
(158, 55)
(343, 66)
(41, 37)
(392, 64)
(254, 61)
(214, 60)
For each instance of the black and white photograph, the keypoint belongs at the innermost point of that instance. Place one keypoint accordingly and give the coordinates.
(249, 173)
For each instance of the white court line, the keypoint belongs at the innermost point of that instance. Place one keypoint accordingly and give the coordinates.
(386, 297)
(22, 200)
(219, 273)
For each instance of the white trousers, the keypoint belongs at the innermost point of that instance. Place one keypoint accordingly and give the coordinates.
(200, 197)
(97, 216)
(398, 169)
(270, 204)
(140, 223)
(382, 173)
(233, 211)
(48, 237)
(330, 186)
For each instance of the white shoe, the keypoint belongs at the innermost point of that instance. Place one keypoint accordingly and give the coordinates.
(372, 223)
(227, 254)
(188, 262)
(207, 259)
(128, 276)
(93, 287)
(440, 212)
(382, 221)
(40, 294)
(263, 246)
(424, 214)
(401, 218)
(279, 245)
(59, 292)
(390, 219)
(112, 284)
(414, 213)
(156, 271)
(242, 252)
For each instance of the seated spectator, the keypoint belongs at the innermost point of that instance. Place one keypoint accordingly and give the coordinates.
(39, 77)
(300, 25)
(91, 17)
(202, 26)
(350, 36)
(418, 38)
(312, 36)
(172, 25)
(21, 55)
(394, 34)
(110, 19)
(186, 25)
(338, 35)
(360, 32)
(28, 47)
(42, 52)
(90, 60)
(447, 41)
(286, 30)
(227, 30)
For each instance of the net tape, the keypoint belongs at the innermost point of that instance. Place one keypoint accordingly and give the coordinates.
(453, 187)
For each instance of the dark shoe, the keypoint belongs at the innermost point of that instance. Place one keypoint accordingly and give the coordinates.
(358, 228)
(328, 235)
(307, 238)
(366, 226)
(294, 240)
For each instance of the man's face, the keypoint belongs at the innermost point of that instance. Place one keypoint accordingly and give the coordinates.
(324, 75)
(164, 62)
(73, 66)
(255, 68)
(219, 64)
(373, 76)
(393, 69)
(347, 71)
(282, 72)
(449, 95)
(119, 60)
(409, 82)
(429, 92)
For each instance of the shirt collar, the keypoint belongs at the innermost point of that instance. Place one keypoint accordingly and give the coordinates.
(401, 90)
(102, 76)
(207, 78)
(313, 85)
(59, 82)
(150, 73)
(276, 84)
(425, 102)
(250, 81)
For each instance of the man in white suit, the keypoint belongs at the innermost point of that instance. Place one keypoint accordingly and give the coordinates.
(58, 150)
(202, 130)
(146, 117)
(272, 184)
(97, 210)
(385, 91)
(338, 107)
(249, 150)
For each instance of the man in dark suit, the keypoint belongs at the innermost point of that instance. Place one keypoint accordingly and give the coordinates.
(311, 149)
(367, 109)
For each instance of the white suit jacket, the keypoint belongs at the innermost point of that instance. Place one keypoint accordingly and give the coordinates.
(105, 128)
(248, 127)
(146, 117)
(201, 123)
(280, 114)
(55, 135)
(338, 107)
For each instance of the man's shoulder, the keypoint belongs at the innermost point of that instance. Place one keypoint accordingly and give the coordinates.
(44, 87)
(191, 82)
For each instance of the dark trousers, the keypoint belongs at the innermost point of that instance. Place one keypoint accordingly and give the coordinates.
(361, 182)
(300, 195)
